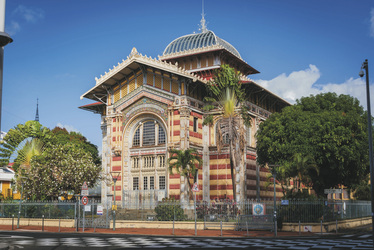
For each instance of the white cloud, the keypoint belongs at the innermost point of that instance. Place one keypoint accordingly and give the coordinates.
(13, 28)
(304, 83)
(31, 15)
(297, 84)
(22, 15)
(372, 22)
(69, 128)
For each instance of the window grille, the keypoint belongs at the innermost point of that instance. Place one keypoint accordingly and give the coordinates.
(145, 182)
(195, 124)
(149, 133)
(151, 182)
(135, 183)
(161, 135)
(136, 140)
(135, 163)
(162, 182)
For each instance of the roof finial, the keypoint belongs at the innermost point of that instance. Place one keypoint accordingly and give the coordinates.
(203, 27)
(37, 110)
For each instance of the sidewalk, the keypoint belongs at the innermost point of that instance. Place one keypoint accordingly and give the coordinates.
(159, 232)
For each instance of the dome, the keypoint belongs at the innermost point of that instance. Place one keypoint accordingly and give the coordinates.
(196, 41)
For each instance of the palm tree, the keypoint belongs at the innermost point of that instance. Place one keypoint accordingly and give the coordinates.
(227, 104)
(302, 165)
(184, 162)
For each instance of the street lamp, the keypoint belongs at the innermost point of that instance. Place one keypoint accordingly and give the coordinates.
(20, 201)
(365, 66)
(114, 178)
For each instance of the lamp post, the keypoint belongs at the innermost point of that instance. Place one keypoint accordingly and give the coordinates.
(365, 66)
(274, 173)
(4, 40)
(20, 201)
(114, 178)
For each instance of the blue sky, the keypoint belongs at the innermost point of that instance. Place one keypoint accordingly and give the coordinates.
(60, 46)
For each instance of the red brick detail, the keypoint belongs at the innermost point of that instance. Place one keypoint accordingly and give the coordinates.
(221, 197)
(116, 168)
(200, 125)
(251, 157)
(116, 158)
(176, 122)
(174, 186)
(176, 112)
(191, 123)
(176, 133)
(114, 129)
(220, 177)
(176, 196)
(174, 176)
(221, 156)
(220, 187)
(251, 166)
(114, 119)
(219, 166)
(196, 115)
(118, 198)
(117, 188)
(114, 138)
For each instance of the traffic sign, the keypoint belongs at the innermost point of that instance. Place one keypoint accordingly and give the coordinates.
(84, 192)
(84, 186)
(195, 187)
(84, 200)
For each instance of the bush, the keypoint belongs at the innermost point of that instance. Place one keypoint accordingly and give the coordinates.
(169, 210)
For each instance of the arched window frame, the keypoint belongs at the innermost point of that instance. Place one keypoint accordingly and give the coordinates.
(145, 135)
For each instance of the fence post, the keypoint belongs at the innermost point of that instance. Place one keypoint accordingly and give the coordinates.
(246, 223)
(221, 227)
(59, 225)
(299, 227)
(321, 227)
(43, 223)
(336, 227)
(12, 221)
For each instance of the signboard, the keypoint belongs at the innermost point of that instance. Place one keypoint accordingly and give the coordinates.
(84, 200)
(84, 186)
(332, 191)
(87, 208)
(99, 210)
(114, 207)
(307, 228)
(84, 192)
(258, 209)
(195, 187)
(285, 202)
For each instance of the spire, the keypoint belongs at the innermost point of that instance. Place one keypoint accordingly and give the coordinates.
(203, 27)
(37, 110)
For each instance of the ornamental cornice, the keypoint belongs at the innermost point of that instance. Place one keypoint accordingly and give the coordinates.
(137, 57)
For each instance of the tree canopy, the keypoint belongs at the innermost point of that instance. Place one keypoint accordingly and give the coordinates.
(330, 129)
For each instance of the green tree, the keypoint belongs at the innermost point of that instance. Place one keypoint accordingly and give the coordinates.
(330, 128)
(62, 136)
(184, 162)
(226, 103)
(59, 170)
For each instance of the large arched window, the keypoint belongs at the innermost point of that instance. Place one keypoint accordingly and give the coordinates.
(149, 133)
(225, 136)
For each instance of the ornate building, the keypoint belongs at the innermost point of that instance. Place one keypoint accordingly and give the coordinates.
(149, 105)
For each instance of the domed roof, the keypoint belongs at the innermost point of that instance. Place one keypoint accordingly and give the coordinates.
(196, 41)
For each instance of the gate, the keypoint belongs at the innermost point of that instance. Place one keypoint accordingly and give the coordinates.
(88, 217)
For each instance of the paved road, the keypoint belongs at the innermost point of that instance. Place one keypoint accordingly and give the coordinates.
(34, 240)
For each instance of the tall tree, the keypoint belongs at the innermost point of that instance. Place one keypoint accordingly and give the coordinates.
(184, 162)
(60, 170)
(331, 128)
(226, 103)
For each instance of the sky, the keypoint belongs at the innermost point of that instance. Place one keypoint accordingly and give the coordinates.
(301, 48)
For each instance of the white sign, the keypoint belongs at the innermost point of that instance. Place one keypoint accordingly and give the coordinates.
(84, 186)
(87, 208)
(307, 228)
(84, 192)
(258, 209)
(99, 210)
(195, 187)
(332, 191)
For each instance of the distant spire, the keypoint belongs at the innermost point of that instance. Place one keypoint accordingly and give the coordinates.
(37, 110)
(203, 27)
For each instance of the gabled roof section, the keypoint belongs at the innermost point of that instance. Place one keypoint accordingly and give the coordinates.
(128, 66)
